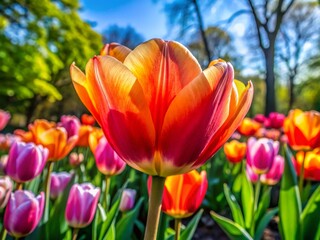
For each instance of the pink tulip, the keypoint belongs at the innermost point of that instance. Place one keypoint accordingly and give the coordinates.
(75, 159)
(23, 213)
(4, 119)
(274, 175)
(5, 190)
(107, 161)
(252, 176)
(58, 183)
(71, 124)
(260, 154)
(26, 161)
(260, 118)
(127, 199)
(82, 204)
(275, 120)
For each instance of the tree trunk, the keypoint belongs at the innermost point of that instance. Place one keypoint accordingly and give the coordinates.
(202, 31)
(291, 91)
(270, 80)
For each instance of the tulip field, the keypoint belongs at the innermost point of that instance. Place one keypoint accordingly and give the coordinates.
(166, 150)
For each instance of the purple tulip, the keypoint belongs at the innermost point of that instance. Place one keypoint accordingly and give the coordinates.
(23, 213)
(4, 119)
(26, 161)
(5, 190)
(260, 154)
(107, 161)
(58, 183)
(127, 199)
(71, 124)
(82, 204)
(274, 175)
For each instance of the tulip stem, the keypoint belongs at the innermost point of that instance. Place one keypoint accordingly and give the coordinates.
(155, 202)
(19, 186)
(47, 191)
(106, 193)
(255, 205)
(301, 175)
(75, 233)
(177, 227)
(3, 233)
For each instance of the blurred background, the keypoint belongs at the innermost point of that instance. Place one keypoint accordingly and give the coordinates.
(275, 44)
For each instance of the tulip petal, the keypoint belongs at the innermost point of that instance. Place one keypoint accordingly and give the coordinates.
(232, 122)
(163, 69)
(115, 50)
(196, 114)
(80, 84)
(127, 122)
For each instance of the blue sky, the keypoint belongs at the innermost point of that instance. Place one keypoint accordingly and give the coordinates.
(145, 16)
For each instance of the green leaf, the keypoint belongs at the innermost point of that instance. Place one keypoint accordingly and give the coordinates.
(163, 225)
(247, 198)
(188, 232)
(310, 219)
(264, 222)
(111, 233)
(289, 201)
(234, 206)
(111, 216)
(263, 205)
(124, 227)
(232, 229)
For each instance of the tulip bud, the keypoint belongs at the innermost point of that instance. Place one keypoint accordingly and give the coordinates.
(26, 161)
(260, 118)
(23, 213)
(275, 120)
(4, 119)
(71, 124)
(274, 175)
(82, 204)
(87, 119)
(261, 153)
(107, 160)
(234, 151)
(127, 200)
(5, 190)
(75, 159)
(58, 183)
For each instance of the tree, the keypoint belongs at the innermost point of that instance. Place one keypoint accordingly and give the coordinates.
(40, 39)
(300, 27)
(267, 18)
(126, 36)
(187, 15)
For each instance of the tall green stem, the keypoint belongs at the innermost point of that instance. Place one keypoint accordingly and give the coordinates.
(75, 233)
(255, 204)
(177, 228)
(3, 233)
(106, 193)
(301, 175)
(47, 191)
(155, 202)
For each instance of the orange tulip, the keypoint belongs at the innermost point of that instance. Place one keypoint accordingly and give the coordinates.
(235, 151)
(84, 133)
(87, 119)
(158, 110)
(94, 138)
(57, 141)
(311, 164)
(184, 193)
(303, 129)
(248, 127)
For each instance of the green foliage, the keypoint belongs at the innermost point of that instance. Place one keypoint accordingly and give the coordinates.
(35, 63)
